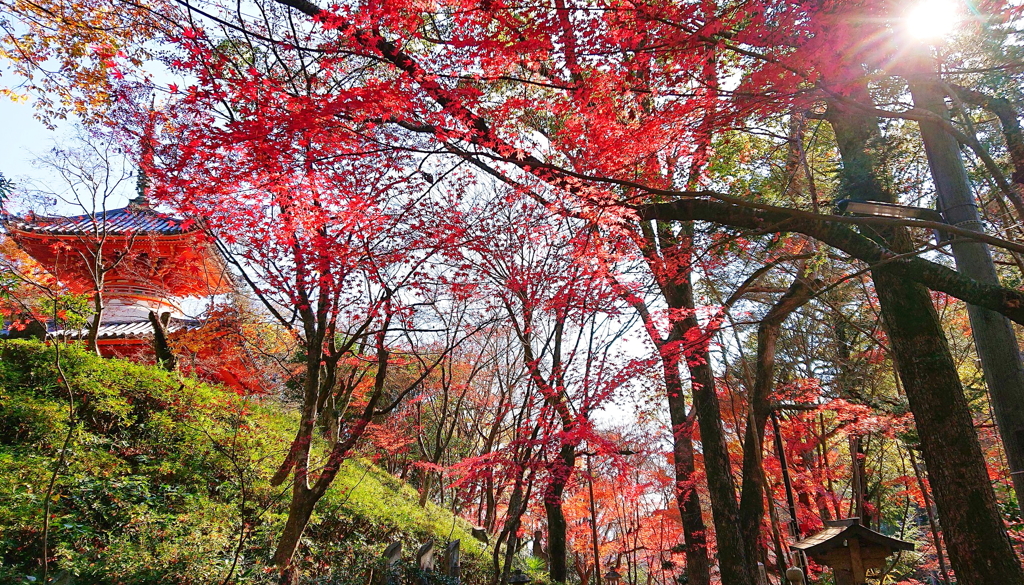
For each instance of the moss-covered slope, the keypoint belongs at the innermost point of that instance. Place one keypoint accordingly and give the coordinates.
(164, 480)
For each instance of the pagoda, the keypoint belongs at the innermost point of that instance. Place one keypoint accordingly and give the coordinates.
(156, 259)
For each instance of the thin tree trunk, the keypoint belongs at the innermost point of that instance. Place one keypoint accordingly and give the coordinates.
(593, 525)
(936, 539)
(787, 483)
(751, 511)
(97, 318)
(304, 495)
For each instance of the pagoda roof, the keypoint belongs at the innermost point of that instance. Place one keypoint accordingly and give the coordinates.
(128, 330)
(119, 330)
(838, 531)
(138, 218)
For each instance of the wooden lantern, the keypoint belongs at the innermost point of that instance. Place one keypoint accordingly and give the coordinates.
(850, 549)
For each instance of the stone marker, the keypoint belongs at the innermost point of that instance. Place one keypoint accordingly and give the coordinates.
(425, 556)
(392, 554)
(452, 567)
(479, 533)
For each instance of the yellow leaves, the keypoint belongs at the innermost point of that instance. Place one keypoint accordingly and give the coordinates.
(13, 96)
(71, 53)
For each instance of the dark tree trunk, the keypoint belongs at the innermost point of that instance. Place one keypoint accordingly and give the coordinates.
(751, 511)
(975, 535)
(300, 509)
(735, 567)
(425, 488)
(976, 538)
(673, 272)
(559, 470)
(694, 532)
(303, 499)
(164, 355)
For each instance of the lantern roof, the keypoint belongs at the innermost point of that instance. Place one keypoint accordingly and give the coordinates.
(837, 532)
(138, 218)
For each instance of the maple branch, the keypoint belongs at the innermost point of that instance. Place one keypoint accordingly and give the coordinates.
(810, 215)
(302, 6)
(727, 210)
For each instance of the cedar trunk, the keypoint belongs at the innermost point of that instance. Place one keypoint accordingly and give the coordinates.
(975, 535)
(994, 337)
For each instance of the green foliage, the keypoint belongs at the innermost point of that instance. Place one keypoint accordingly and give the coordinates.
(167, 481)
(369, 507)
(6, 186)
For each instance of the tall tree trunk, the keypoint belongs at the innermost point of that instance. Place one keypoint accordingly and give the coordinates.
(735, 567)
(976, 538)
(698, 568)
(994, 337)
(751, 512)
(932, 524)
(673, 272)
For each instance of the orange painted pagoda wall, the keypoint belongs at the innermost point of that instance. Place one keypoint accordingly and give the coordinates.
(158, 267)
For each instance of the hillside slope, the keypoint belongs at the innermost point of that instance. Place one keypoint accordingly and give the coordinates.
(164, 480)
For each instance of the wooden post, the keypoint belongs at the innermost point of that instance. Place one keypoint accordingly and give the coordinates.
(856, 562)
(762, 575)
(452, 564)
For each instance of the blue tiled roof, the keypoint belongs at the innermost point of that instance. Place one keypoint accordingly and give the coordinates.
(134, 219)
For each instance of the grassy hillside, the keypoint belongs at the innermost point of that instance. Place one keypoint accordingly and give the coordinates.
(164, 480)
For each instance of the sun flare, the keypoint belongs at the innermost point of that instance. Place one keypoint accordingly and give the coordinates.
(932, 19)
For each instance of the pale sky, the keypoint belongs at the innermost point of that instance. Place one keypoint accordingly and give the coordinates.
(21, 135)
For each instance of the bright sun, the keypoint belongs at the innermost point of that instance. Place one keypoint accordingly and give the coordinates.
(932, 19)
